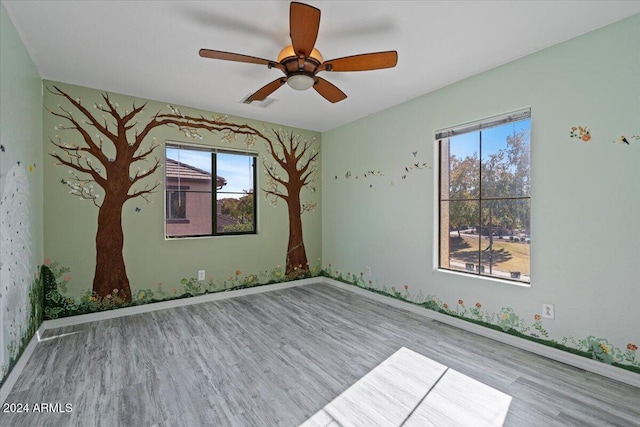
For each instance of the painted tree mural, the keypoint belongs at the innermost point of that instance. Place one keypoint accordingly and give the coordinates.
(106, 167)
(298, 158)
(109, 148)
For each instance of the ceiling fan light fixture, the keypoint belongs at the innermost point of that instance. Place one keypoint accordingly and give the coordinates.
(300, 81)
(301, 61)
(288, 52)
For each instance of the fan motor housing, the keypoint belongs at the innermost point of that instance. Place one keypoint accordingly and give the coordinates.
(295, 65)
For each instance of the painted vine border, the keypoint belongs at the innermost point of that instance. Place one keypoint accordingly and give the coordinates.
(59, 304)
(34, 320)
(55, 280)
(506, 320)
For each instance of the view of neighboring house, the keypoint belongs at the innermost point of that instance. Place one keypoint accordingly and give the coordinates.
(189, 201)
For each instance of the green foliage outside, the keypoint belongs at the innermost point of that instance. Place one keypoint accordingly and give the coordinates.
(504, 174)
(488, 206)
(239, 227)
(241, 210)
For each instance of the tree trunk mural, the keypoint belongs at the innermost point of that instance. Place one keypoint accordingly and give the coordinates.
(290, 153)
(296, 253)
(107, 160)
(298, 159)
(90, 164)
(111, 272)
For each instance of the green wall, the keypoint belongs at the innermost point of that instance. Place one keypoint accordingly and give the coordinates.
(376, 210)
(21, 180)
(156, 267)
(585, 196)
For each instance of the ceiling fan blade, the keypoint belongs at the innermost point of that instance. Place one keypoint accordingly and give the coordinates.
(267, 90)
(363, 62)
(329, 91)
(304, 22)
(228, 56)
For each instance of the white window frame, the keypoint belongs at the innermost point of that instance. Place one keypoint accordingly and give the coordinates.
(213, 150)
(440, 135)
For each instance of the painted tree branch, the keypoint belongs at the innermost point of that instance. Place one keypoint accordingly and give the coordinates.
(76, 103)
(145, 173)
(144, 193)
(272, 176)
(276, 193)
(76, 166)
(92, 147)
(113, 175)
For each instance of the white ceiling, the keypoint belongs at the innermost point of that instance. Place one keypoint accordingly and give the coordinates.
(149, 49)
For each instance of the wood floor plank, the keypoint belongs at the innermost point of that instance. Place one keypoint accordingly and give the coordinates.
(387, 395)
(320, 419)
(457, 400)
(276, 359)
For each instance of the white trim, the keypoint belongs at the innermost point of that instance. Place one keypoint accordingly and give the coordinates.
(486, 123)
(486, 277)
(9, 382)
(11, 379)
(596, 367)
(163, 305)
(208, 148)
(575, 360)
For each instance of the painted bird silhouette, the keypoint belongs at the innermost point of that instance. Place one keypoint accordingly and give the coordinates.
(623, 139)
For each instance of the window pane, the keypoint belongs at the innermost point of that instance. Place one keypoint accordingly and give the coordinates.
(505, 160)
(464, 166)
(188, 168)
(189, 192)
(235, 214)
(461, 234)
(485, 200)
(176, 204)
(236, 199)
(505, 242)
(198, 215)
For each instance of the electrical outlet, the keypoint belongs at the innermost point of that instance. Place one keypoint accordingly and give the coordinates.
(201, 274)
(548, 311)
(367, 271)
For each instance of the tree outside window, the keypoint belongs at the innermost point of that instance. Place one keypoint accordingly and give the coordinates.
(485, 200)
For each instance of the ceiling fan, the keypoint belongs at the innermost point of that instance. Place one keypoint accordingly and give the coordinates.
(301, 62)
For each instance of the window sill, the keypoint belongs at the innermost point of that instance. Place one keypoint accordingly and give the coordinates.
(484, 277)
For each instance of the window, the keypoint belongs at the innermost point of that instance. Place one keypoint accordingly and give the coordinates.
(195, 206)
(176, 202)
(485, 201)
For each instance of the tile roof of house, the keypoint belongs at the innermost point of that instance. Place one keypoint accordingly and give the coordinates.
(175, 169)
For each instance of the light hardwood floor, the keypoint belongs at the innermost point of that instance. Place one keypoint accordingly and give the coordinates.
(276, 358)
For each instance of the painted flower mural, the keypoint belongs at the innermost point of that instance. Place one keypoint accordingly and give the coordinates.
(580, 132)
(58, 303)
(507, 321)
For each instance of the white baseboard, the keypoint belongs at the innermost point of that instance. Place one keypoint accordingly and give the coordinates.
(128, 311)
(11, 379)
(596, 367)
(575, 360)
(163, 305)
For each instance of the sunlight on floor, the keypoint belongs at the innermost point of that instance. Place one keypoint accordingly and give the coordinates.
(409, 389)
